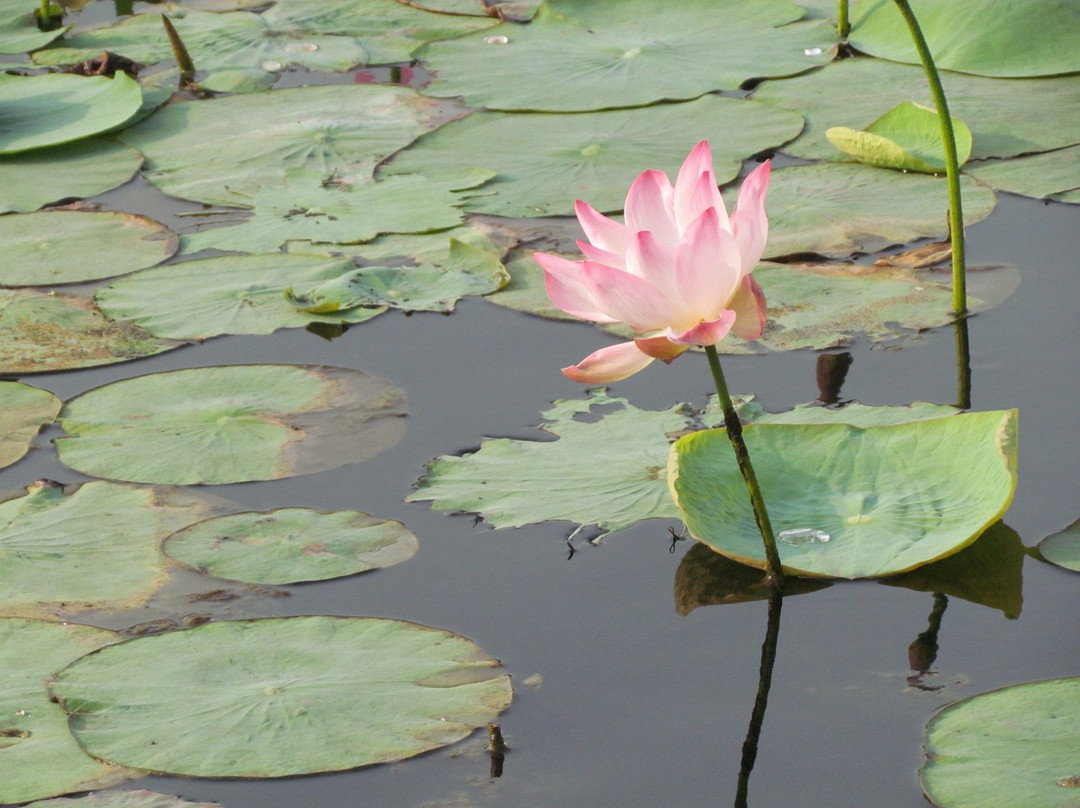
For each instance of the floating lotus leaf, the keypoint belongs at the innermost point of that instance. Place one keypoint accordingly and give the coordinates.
(1063, 548)
(890, 498)
(36, 178)
(19, 31)
(406, 249)
(231, 294)
(507, 9)
(291, 545)
(1013, 746)
(526, 291)
(855, 414)
(1007, 118)
(544, 163)
(230, 424)
(122, 799)
(907, 138)
(608, 472)
(280, 696)
(41, 333)
(985, 37)
(24, 410)
(38, 756)
(231, 43)
(428, 287)
(310, 209)
(223, 150)
(388, 32)
(94, 546)
(38, 111)
(1052, 175)
(49, 247)
(578, 55)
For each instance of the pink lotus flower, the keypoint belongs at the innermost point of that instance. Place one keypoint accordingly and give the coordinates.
(677, 272)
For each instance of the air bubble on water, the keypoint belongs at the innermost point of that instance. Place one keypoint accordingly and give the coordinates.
(813, 51)
(803, 535)
(496, 39)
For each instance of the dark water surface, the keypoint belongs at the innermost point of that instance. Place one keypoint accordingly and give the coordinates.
(635, 705)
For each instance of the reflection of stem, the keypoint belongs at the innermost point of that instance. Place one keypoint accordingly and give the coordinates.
(734, 431)
(831, 371)
(923, 651)
(952, 163)
(843, 24)
(963, 364)
(757, 716)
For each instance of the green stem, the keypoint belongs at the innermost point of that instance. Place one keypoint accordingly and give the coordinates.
(963, 364)
(843, 23)
(734, 430)
(952, 163)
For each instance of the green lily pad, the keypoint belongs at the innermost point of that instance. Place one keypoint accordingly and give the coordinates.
(544, 164)
(41, 333)
(985, 37)
(18, 30)
(280, 696)
(907, 138)
(230, 424)
(122, 799)
(526, 291)
(93, 546)
(890, 498)
(1007, 118)
(24, 410)
(310, 209)
(231, 294)
(38, 756)
(38, 111)
(49, 247)
(428, 287)
(1013, 746)
(291, 545)
(521, 10)
(578, 56)
(855, 414)
(223, 150)
(1051, 175)
(388, 32)
(1063, 548)
(36, 178)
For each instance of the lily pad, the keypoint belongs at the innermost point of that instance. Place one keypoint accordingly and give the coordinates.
(24, 410)
(855, 414)
(41, 333)
(521, 10)
(1007, 118)
(310, 209)
(122, 799)
(280, 696)
(577, 56)
(231, 294)
(907, 138)
(49, 247)
(223, 150)
(36, 178)
(1013, 746)
(291, 545)
(18, 30)
(38, 756)
(1063, 548)
(230, 424)
(1051, 175)
(544, 164)
(1012, 40)
(38, 111)
(93, 546)
(889, 498)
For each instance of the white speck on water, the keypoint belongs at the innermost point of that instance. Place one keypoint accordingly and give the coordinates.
(300, 47)
(271, 66)
(803, 535)
(496, 39)
(813, 51)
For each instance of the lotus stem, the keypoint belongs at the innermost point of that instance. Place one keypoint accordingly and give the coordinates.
(963, 364)
(734, 430)
(843, 23)
(952, 163)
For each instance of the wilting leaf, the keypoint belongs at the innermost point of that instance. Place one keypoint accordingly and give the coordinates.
(907, 138)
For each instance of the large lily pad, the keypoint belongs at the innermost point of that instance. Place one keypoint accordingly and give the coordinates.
(38, 111)
(36, 178)
(19, 31)
(907, 138)
(223, 150)
(38, 756)
(280, 696)
(1006, 118)
(1013, 746)
(577, 55)
(229, 424)
(41, 333)
(94, 546)
(291, 545)
(1063, 548)
(521, 10)
(544, 163)
(122, 799)
(1052, 175)
(889, 498)
(49, 247)
(985, 37)
(24, 410)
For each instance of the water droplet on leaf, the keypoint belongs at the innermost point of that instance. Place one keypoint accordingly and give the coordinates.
(496, 39)
(799, 536)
